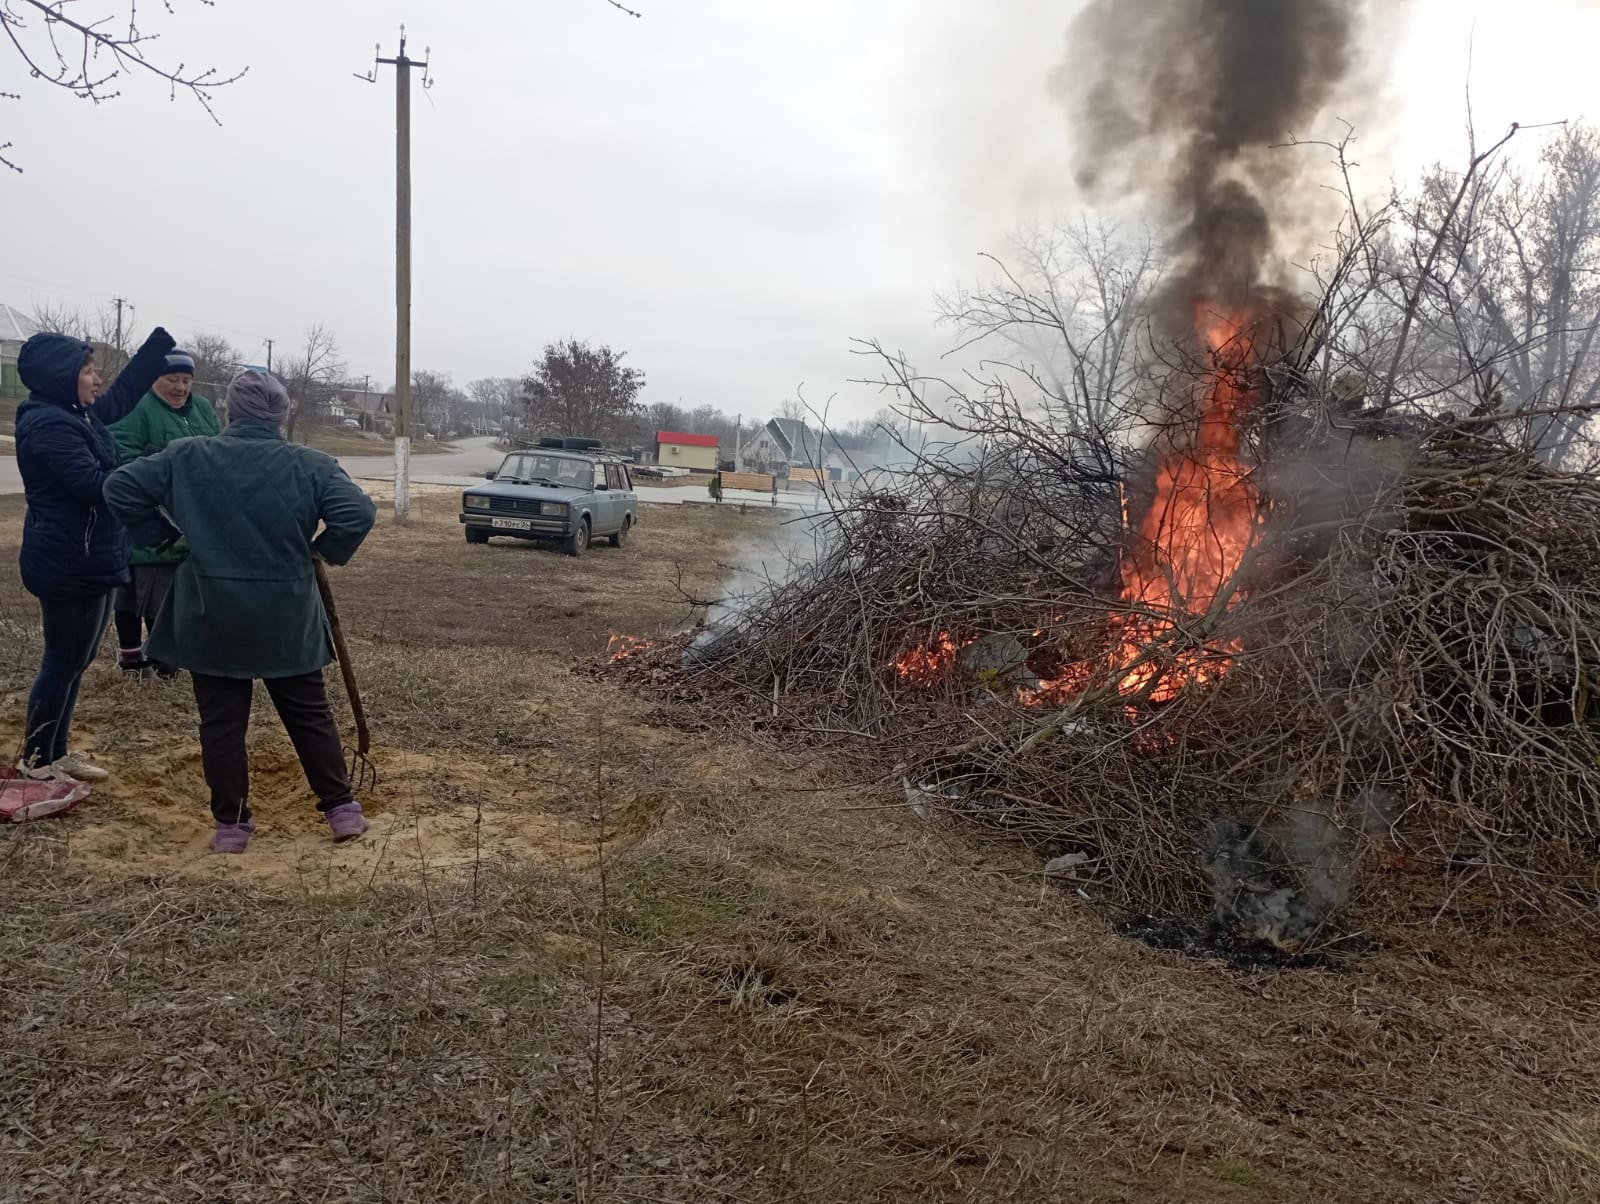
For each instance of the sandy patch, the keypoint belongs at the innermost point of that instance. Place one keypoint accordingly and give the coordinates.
(429, 815)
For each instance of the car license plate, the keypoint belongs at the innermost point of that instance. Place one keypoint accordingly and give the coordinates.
(511, 524)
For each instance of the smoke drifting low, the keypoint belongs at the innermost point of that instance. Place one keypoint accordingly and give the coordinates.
(1181, 102)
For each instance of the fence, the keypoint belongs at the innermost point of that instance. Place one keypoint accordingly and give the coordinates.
(756, 482)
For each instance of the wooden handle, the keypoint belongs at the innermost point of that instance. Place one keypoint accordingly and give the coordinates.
(342, 652)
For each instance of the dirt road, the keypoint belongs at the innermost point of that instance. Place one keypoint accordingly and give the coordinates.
(598, 947)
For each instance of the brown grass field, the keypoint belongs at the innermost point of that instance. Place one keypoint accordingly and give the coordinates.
(597, 948)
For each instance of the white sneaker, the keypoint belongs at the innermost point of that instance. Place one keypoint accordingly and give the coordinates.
(40, 773)
(76, 767)
(70, 768)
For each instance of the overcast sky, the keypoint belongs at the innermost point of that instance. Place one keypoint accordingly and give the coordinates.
(729, 190)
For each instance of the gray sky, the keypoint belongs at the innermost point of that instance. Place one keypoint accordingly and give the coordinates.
(729, 190)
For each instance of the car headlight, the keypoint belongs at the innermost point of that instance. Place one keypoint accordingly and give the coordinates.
(476, 503)
(552, 507)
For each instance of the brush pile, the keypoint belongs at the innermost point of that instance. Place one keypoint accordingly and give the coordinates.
(1397, 665)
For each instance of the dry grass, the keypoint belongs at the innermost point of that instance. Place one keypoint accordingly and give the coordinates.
(804, 994)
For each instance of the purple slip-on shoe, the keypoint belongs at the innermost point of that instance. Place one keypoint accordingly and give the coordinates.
(346, 821)
(231, 838)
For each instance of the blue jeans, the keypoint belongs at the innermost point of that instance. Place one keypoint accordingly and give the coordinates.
(72, 631)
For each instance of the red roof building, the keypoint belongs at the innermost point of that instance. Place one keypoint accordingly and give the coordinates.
(674, 449)
(686, 440)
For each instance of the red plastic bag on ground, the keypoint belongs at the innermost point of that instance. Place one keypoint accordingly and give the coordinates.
(22, 799)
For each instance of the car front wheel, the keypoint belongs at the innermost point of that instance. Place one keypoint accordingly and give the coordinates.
(474, 535)
(620, 539)
(577, 543)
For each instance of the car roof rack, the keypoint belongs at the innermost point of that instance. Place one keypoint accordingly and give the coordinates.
(586, 447)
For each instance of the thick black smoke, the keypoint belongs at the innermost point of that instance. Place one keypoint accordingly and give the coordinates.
(1181, 102)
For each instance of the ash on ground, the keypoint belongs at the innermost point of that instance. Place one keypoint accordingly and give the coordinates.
(1210, 941)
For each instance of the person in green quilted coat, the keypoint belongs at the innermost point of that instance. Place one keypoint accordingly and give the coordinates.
(258, 512)
(171, 410)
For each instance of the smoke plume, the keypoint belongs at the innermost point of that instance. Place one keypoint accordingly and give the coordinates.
(1181, 102)
(1281, 881)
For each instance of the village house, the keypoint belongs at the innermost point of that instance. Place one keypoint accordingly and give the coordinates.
(372, 409)
(790, 448)
(15, 328)
(675, 449)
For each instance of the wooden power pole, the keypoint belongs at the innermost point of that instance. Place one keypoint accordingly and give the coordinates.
(403, 67)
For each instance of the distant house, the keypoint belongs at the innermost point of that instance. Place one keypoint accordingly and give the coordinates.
(675, 449)
(374, 410)
(790, 447)
(15, 329)
(779, 444)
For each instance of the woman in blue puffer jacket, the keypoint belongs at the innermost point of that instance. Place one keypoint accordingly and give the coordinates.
(74, 553)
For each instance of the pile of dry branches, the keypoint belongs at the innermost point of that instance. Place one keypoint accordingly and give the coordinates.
(1401, 671)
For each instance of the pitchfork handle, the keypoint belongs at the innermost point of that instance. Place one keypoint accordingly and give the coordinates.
(346, 669)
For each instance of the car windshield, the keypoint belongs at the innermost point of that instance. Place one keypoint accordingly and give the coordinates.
(556, 470)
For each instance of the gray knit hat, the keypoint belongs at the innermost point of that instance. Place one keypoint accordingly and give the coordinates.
(256, 397)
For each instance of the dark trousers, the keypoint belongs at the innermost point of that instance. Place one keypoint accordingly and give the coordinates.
(130, 631)
(72, 631)
(139, 602)
(302, 704)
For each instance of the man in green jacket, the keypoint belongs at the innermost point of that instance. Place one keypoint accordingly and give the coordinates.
(171, 410)
(245, 605)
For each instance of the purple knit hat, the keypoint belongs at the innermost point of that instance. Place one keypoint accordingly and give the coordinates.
(256, 397)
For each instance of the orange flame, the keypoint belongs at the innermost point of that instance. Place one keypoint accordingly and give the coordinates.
(621, 647)
(1191, 541)
(931, 663)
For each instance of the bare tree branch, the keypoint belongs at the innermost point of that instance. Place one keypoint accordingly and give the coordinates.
(85, 57)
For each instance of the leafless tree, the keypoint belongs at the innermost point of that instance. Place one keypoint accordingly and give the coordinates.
(1510, 307)
(97, 326)
(311, 373)
(495, 396)
(664, 416)
(1066, 306)
(62, 319)
(215, 361)
(89, 55)
(438, 402)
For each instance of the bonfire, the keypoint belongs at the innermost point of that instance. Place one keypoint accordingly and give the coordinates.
(1297, 598)
(1233, 690)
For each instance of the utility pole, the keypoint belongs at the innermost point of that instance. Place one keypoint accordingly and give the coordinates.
(119, 302)
(403, 67)
(269, 355)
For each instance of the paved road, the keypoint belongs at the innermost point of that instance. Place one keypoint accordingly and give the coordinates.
(463, 466)
(466, 465)
(473, 457)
